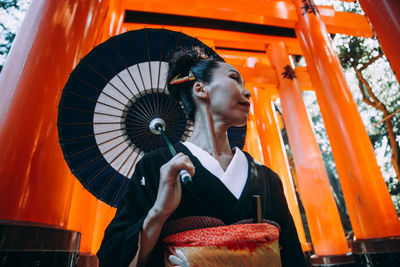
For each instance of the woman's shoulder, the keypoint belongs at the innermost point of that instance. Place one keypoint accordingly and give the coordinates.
(268, 172)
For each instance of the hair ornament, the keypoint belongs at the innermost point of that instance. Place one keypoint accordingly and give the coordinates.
(177, 80)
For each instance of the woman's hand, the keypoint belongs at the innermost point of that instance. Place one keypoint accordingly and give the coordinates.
(168, 198)
(169, 190)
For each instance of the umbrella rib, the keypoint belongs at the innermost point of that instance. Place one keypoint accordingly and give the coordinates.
(157, 104)
(106, 186)
(159, 62)
(145, 117)
(176, 48)
(97, 145)
(125, 180)
(99, 156)
(123, 62)
(115, 173)
(169, 105)
(148, 59)
(115, 74)
(170, 110)
(108, 81)
(85, 123)
(89, 135)
(89, 111)
(102, 92)
(92, 100)
(140, 72)
(130, 74)
(119, 191)
(135, 160)
(129, 71)
(137, 65)
(153, 111)
(159, 71)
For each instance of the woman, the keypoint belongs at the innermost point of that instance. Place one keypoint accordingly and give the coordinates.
(224, 180)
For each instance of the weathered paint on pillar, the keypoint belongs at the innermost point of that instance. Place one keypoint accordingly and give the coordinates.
(323, 218)
(36, 184)
(275, 154)
(370, 207)
(384, 16)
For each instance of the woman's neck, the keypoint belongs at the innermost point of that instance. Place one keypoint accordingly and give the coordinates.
(210, 135)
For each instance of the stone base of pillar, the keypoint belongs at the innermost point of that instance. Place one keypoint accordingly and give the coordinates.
(382, 252)
(333, 261)
(87, 260)
(32, 244)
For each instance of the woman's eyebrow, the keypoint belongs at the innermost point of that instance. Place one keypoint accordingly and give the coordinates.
(235, 71)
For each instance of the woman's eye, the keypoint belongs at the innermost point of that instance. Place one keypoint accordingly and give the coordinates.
(236, 78)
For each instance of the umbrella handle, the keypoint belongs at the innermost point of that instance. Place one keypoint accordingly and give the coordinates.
(185, 177)
(184, 174)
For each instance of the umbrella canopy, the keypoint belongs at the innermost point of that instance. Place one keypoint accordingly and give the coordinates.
(109, 101)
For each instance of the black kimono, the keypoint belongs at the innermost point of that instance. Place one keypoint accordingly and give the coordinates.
(208, 196)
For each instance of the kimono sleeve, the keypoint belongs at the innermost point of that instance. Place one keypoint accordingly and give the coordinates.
(291, 252)
(120, 242)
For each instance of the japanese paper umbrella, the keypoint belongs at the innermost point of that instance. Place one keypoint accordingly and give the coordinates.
(109, 101)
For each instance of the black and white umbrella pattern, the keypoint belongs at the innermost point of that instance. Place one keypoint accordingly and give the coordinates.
(109, 101)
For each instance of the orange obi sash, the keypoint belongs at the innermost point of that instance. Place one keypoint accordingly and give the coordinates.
(240, 244)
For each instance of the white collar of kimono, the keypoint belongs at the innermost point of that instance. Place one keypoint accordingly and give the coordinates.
(235, 176)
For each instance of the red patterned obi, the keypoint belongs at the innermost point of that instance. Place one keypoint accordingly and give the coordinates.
(240, 244)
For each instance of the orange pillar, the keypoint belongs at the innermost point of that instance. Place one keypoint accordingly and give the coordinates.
(86, 212)
(252, 142)
(323, 218)
(82, 218)
(274, 153)
(90, 217)
(36, 184)
(370, 207)
(384, 16)
(104, 215)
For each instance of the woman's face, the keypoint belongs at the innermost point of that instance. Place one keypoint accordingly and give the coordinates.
(228, 99)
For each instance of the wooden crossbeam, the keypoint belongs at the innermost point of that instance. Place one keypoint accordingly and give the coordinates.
(278, 13)
(266, 76)
(221, 38)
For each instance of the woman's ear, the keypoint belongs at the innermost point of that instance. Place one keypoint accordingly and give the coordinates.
(199, 90)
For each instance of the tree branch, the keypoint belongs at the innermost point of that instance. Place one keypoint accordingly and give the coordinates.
(376, 103)
(365, 98)
(387, 117)
(364, 66)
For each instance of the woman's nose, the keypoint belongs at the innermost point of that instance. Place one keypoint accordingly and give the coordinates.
(246, 93)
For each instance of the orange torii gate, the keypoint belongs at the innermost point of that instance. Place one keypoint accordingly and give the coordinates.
(37, 187)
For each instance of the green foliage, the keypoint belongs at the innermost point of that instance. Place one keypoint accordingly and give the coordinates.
(11, 12)
(6, 4)
(354, 52)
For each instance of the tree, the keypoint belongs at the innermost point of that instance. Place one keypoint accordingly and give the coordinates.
(355, 54)
(376, 85)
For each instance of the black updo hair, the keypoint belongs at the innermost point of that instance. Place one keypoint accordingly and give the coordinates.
(202, 67)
